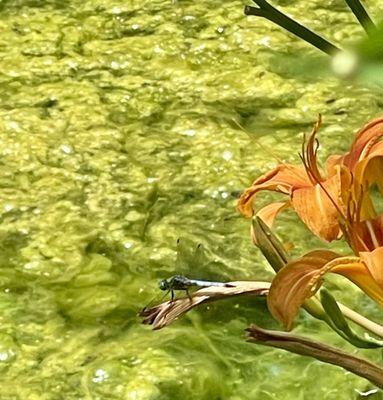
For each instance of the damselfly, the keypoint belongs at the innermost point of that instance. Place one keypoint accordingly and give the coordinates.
(179, 282)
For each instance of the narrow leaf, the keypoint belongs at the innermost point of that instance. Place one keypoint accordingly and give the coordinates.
(340, 325)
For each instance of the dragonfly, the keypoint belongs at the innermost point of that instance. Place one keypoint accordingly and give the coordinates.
(187, 259)
(179, 282)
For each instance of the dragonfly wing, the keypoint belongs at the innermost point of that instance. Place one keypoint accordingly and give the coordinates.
(199, 258)
(183, 258)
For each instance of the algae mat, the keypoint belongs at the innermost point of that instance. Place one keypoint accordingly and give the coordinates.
(123, 129)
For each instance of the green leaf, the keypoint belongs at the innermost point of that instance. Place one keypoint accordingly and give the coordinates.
(269, 245)
(340, 325)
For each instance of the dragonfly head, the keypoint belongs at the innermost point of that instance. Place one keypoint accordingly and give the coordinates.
(164, 285)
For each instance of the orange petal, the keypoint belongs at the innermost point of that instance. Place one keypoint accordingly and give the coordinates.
(296, 282)
(331, 164)
(374, 263)
(283, 179)
(365, 228)
(319, 207)
(376, 149)
(364, 236)
(346, 180)
(365, 141)
(368, 172)
(371, 233)
(358, 272)
(353, 230)
(269, 212)
(268, 215)
(300, 279)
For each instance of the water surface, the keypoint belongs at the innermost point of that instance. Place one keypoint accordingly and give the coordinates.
(126, 125)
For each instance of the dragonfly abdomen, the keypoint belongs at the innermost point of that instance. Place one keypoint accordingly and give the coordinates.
(196, 282)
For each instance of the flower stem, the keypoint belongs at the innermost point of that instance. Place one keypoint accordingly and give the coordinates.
(269, 12)
(361, 15)
(362, 321)
(328, 354)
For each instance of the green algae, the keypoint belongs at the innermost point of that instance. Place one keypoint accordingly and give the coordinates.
(121, 131)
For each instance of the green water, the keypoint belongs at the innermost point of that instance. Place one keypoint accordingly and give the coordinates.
(119, 135)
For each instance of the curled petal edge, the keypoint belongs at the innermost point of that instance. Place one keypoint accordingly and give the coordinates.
(301, 279)
(285, 178)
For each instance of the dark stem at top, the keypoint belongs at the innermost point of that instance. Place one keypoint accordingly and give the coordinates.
(269, 12)
(361, 15)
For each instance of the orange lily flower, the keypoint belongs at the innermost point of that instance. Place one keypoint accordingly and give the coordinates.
(315, 199)
(318, 201)
(349, 202)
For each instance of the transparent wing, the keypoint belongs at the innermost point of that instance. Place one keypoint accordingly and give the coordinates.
(182, 258)
(190, 258)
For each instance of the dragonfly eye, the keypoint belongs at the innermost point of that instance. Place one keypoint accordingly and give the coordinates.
(164, 285)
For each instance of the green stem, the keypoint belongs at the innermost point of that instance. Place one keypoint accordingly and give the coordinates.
(361, 15)
(269, 12)
(361, 320)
